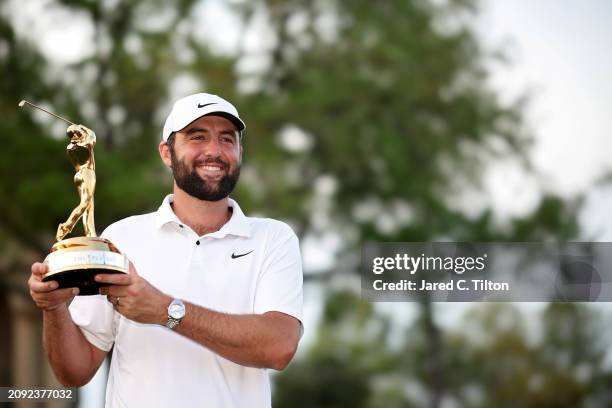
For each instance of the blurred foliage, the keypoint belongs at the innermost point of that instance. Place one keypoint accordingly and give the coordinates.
(491, 359)
(398, 116)
(366, 120)
(338, 370)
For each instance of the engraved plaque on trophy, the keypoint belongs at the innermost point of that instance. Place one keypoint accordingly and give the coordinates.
(73, 262)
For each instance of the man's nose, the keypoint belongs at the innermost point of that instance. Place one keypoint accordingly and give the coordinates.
(212, 148)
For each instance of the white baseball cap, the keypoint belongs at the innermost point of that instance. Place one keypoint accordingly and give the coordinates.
(192, 107)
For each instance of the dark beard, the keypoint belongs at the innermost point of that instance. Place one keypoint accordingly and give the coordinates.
(190, 181)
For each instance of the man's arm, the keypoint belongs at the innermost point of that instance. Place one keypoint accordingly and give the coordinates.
(74, 360)
(266, 340)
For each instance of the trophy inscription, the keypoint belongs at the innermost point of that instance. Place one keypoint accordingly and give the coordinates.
(74, 262)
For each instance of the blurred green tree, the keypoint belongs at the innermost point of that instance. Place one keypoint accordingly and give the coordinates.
(491, 358)
(495, 359)
(351, 348)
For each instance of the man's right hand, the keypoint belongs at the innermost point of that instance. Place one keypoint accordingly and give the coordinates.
(46, 295)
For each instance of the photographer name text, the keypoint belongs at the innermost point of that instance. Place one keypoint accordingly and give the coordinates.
(479, 285)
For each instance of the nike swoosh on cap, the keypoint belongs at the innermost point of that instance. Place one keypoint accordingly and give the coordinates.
(234, 256)
(206, 104)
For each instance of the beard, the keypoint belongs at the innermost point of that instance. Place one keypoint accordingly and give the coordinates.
(190, 181)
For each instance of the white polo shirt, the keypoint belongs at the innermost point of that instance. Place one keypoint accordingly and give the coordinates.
(251, 265)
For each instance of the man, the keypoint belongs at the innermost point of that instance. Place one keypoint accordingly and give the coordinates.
(213, 297)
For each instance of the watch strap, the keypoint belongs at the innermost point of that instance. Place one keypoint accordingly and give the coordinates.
(172, 322)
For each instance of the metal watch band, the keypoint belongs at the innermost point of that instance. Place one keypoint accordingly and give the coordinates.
(172, 322)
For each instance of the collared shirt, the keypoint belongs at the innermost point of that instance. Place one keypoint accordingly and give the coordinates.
(249, 266)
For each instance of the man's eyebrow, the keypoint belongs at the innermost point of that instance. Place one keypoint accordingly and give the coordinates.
(229, 132)
(196, 130)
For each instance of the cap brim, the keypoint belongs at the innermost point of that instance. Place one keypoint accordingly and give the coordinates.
(236, 121)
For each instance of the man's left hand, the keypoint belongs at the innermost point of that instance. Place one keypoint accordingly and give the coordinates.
(134, 297)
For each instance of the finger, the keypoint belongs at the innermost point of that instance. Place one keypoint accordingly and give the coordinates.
(114, 279)
(114, 291)
(39, 269)
(42, 287)
(132, 270)
(60, 295)
(56, 297)
(115, 300)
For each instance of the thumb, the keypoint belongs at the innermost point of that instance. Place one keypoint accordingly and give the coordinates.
(132, 269)
(39, 269)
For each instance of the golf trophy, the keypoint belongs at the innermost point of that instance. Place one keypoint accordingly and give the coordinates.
(74, 262)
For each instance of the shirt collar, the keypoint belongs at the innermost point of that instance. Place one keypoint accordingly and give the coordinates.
(237, 225)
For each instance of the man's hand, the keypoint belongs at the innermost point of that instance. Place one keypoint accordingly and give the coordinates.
(134, 297)
(46, 295)
(73, 359)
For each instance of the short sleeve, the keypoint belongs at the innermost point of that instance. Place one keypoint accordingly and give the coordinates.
(280, 281)
(96, 319)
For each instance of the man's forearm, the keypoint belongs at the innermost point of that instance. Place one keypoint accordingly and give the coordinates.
(73, 359)
(264, 341)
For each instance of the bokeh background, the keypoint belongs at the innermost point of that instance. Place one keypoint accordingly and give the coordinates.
(391, 120)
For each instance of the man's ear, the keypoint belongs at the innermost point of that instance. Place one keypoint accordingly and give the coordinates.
(164, 153)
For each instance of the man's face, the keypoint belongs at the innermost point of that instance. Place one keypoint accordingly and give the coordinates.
(205, 158)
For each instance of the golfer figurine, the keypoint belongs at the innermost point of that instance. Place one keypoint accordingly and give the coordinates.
(80, 152)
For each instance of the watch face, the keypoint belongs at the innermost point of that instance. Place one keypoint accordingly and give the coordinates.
(176, 310)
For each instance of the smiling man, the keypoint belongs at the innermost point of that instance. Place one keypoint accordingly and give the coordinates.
(213, 298)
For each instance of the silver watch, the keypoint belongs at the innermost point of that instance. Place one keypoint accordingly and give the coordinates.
(176, 312)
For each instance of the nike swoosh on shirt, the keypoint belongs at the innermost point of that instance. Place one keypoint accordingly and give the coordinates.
(206, 104)
(234, 256)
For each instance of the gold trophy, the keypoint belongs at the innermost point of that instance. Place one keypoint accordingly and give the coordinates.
(74, 262)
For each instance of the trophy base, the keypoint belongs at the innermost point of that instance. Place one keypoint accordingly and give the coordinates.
(74, 262)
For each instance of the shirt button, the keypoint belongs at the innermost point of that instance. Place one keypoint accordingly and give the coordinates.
(198, 242)
(181, 225)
